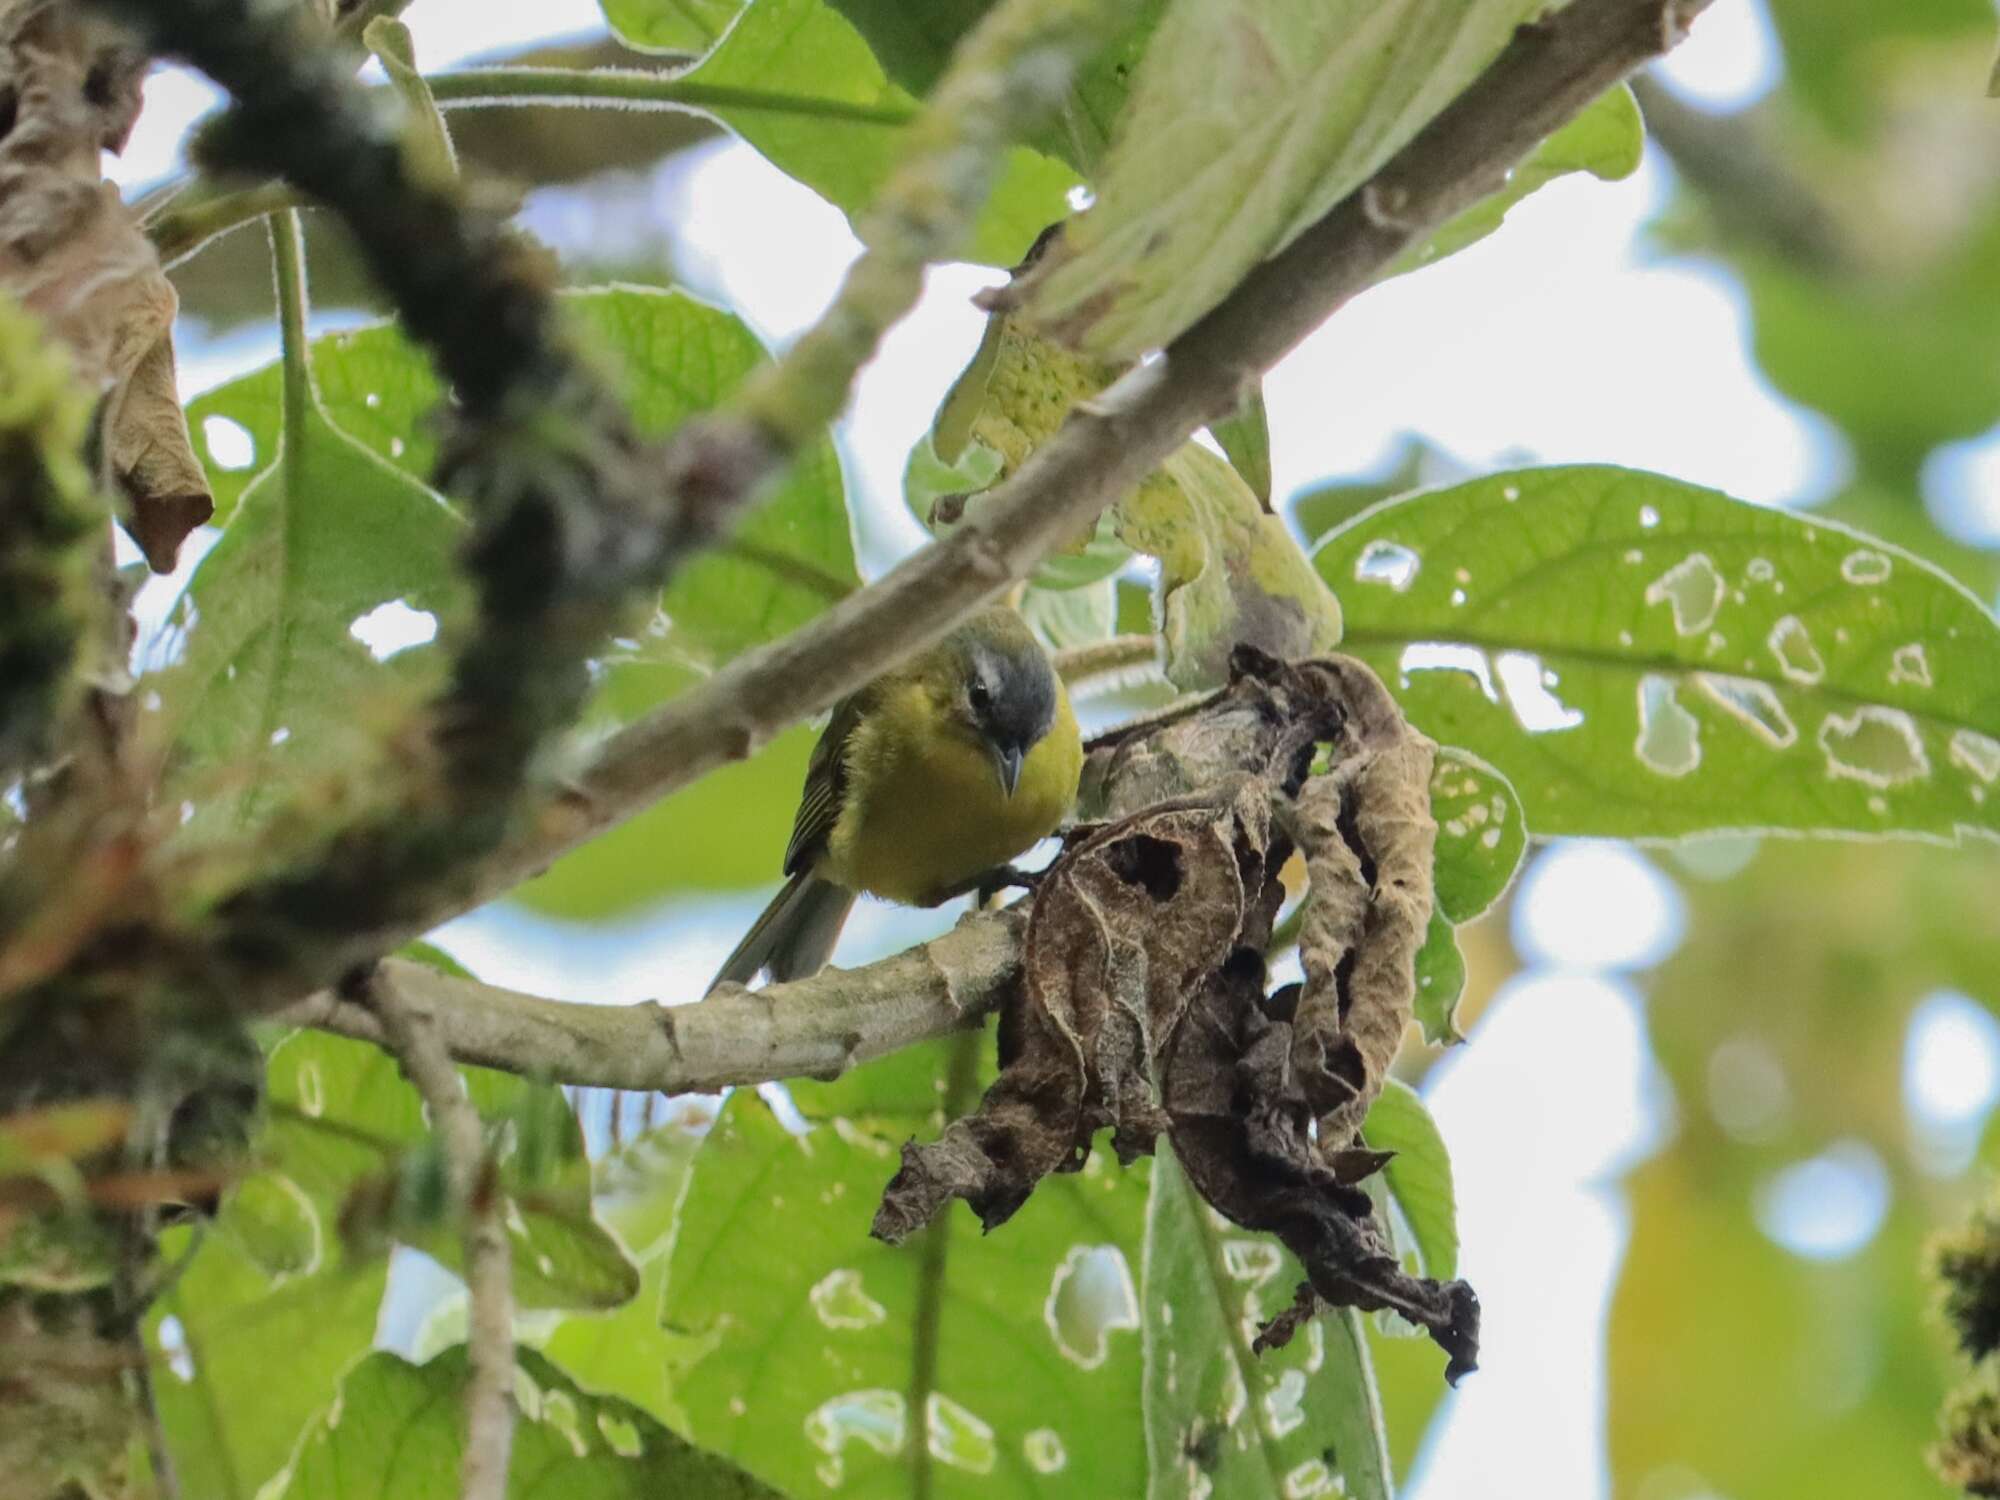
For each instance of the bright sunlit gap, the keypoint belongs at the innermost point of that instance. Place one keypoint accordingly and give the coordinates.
(1588, 904)
(1557, 1094)
(1829, 1206)
(1951, 1078)
(1730, 60)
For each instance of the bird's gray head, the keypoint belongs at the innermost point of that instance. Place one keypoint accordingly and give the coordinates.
(1007, 695)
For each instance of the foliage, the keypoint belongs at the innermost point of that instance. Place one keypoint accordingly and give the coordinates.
(1597, 651)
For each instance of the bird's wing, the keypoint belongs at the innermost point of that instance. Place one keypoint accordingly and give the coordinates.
(826, 788)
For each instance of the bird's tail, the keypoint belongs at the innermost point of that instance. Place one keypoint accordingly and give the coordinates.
(795, 935)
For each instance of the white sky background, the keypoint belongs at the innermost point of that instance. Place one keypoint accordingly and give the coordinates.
(1558, 339)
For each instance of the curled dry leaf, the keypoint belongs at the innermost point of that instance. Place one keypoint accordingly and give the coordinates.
(73, 254)
(1143, 1007)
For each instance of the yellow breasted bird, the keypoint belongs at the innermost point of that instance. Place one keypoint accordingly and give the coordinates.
(934, 774)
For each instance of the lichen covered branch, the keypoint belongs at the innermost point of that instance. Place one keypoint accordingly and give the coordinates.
(813, 1027)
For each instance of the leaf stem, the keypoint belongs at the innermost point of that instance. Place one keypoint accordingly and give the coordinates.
(961, 1083)
(288, 259)
(659, 88)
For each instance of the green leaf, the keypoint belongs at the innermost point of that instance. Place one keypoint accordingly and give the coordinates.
(1481, 834)
(670, 25)
(1299, 1421)
(1440, 981)
(398, 1429)
(914, 42)
(1245, 439)
(1419, 1179)
(275, 689)
(1641, 657)
(1229, 569)
(1000, 1365)
(349, 1131)
(1248, 122)
(228, 1423)
(673, 356)
(797, 82)
(628, 1352)
(1606, 139)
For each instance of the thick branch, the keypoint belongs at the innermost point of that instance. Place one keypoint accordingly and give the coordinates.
(1545, 76)
(410, 1031)
(813, 1027)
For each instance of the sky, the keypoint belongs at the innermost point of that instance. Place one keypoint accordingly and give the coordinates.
(1561, 338)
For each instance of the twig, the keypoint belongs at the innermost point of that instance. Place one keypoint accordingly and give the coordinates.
(410, 1032)
(813, 1027)
(1549, 72)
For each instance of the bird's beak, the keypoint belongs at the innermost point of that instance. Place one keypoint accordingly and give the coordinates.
(1007, 761)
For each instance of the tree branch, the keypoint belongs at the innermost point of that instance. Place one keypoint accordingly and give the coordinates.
(1548, 73)
(410, 1031)
(813, 1027)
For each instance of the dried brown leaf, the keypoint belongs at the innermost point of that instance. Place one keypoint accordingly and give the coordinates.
(73, 254)
(1142, 1006)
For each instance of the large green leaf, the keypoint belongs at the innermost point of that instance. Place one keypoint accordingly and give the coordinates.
(399, 1429)
(995, 1365)
(275, 688)
(247, 1355)
(1220, 1420)
(1247, 122)
(796, 80)
(1645, 658)
(672, 356)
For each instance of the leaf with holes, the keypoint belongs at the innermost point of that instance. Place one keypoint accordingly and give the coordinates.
(1248, 122)
(1644, 658)
(995, 1365)
(1294, 1422)
(399, 1429)
(1419, 1178)
(673, 356)
(1481, 834)
(795, 80)
(283, 683)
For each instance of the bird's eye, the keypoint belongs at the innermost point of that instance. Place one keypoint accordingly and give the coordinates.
(978, 694)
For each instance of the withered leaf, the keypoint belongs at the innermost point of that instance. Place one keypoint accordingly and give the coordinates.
(1143, 1008)
(73, 254)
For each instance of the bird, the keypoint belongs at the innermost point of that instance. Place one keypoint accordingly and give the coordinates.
(932, 776)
